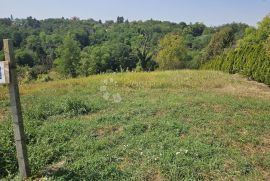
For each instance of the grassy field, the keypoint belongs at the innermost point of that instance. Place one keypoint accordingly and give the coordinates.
(176, 125)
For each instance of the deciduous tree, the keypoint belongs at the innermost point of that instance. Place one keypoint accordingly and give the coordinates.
(68, 57)
(172, 52)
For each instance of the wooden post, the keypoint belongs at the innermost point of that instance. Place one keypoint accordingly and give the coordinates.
(16, 111)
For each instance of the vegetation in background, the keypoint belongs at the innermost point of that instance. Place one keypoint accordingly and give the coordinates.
(250, 57)
(68, 57)
(75, 47)
(172, 53)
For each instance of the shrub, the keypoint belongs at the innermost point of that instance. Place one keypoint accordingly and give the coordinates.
(74, 107)
(250, 58)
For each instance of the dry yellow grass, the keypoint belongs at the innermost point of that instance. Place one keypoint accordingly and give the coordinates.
(213, 81)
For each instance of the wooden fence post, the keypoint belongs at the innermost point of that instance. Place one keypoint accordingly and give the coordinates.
(16, 111)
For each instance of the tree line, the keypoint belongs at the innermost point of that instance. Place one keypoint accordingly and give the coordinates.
(250, 56)
(74, 47)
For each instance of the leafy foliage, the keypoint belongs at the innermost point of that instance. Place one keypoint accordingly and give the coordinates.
(220, 40)
(68, 57)
(75, 47)
(25, 58)
(250, 57)
(172, 52)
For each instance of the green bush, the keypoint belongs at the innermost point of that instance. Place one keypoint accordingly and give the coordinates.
(250, 58)
(74, 107)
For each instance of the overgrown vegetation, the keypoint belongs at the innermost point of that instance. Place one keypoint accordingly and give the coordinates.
(76, 47)
(177, 125)
(250, 57)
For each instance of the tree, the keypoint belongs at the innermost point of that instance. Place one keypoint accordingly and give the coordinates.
(25, 57)
(96, 59)
(17, 38)
(197, 29)
(120, 19)
(220, 40)
(267, 46)
(107, 57)
(251, 56)
(5, 21)
(32, 22)
(142, 49)
(88, 64)
(33, 43)
(120, 44)
(82, 36)
(68, 57)
(172, 52)
(123, 57)
(49, 44)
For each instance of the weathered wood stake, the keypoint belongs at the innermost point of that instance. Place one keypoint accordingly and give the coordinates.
(16, 111)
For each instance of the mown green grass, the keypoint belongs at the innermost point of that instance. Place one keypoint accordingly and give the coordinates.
(179, 125)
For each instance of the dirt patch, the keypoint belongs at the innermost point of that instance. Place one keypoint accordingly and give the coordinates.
(246, 88)
(182, 136)
(101, 132)
(160, 113)
(55, 167)
(218, 108)
(125, 163)
(158, 177)
(266, 143)
(252, 149)
(153, 174)
(51, 170)
(265, 174)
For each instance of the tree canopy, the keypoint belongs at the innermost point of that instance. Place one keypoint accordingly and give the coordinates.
(172, 52)
(75, 47)
(68, 57)
(250, 56)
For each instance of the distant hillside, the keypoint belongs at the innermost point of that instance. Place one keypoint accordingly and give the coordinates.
(75, 47)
